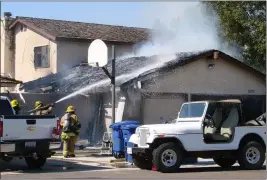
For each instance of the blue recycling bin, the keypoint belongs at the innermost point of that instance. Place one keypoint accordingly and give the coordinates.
(117, 138)
(128, 153)
(127, 131)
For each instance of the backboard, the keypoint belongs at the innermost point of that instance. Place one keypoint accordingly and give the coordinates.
(97, 53)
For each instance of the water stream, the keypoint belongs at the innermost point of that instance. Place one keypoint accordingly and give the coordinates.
(159, 62)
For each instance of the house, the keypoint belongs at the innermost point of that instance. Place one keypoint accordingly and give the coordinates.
(36, 47)
(152, 92)
(6, 81)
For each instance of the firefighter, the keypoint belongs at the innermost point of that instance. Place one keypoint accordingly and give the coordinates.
(70, 131)
(15, 105)
(40, 109)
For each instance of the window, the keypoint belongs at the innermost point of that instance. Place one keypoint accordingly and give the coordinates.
(41, 57)
(193, 110)
(5, 109)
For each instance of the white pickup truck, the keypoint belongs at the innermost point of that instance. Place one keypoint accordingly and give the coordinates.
(206, 129)
(26, 136)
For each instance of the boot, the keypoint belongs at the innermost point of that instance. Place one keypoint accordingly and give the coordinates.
(67, 156)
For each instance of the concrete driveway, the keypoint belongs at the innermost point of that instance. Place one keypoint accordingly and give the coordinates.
(57, 168)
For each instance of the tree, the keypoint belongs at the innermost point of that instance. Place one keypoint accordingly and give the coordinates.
(244, 23)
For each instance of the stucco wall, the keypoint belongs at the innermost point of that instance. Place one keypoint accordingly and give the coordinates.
(7, 53)
(24, 55)
(70, 53)
(196, 77)
(161, 109)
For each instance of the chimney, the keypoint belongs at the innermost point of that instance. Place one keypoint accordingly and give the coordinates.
(212, 59)
(215, 55)
(7, 15)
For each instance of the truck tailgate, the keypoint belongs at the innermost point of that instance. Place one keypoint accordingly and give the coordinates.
(16, 128)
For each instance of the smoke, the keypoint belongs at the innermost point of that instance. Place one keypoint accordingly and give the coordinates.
(176, 27)
(181, 27)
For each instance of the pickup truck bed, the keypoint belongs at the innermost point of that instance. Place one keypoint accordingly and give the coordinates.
(26, 136)
(24, 127)
(23, 135)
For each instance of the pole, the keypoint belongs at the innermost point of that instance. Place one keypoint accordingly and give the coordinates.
(113, 84)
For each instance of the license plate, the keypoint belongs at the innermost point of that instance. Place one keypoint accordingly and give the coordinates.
(129, 150)
(30, 144)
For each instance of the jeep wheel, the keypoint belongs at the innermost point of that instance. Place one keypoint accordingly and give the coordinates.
(168, 157)
(142, 163)
(251, 156)
(224, 162)
(35, 163)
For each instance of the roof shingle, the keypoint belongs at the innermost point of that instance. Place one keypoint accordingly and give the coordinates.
(83, 75)
(127, 70)
(88, 31)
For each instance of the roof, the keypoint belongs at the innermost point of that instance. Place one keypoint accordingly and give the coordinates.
(127, 70)
(6, 81)
(230, 101)
(60, 30)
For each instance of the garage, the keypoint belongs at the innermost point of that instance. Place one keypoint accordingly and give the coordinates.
(158, 108)
(208, 76)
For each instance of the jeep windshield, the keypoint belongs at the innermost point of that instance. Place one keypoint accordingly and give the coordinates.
(192, 110)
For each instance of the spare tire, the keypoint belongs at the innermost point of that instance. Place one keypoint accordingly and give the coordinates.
(255, 123)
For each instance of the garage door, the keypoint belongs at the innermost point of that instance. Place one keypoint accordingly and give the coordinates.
(154, 109)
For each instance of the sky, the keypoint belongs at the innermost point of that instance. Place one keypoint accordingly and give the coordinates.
(114, 13)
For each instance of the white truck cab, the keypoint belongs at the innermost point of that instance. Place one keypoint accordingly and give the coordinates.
(26, 136)
(207, 129)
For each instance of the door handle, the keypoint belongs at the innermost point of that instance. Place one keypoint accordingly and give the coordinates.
(31, 122)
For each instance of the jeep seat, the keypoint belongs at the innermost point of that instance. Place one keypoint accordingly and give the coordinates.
(230, 123)
(217, 116)
(227, 128)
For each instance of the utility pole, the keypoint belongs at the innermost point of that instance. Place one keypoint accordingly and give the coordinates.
(98, 57)
(113, 83)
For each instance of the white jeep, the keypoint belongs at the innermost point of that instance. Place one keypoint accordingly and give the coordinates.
(206, 129)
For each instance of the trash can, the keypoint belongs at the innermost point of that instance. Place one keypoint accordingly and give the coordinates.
(128, 153)
(127, 131)
(117, 138)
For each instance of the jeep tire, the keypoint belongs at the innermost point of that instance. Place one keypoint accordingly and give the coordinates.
(251, 156)
(224, 162)
(142, 163)
(168, 157)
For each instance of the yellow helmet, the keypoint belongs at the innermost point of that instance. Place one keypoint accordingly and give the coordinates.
(14, 103)
(37, 104)
(70, 109)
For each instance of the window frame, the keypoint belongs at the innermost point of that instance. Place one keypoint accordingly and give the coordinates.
(38, 62)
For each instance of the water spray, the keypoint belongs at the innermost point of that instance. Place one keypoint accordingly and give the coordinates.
(177, 27)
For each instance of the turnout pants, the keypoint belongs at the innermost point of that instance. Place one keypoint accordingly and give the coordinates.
(69, 146)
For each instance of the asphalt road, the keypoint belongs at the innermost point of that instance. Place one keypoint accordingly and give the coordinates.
(58, 169)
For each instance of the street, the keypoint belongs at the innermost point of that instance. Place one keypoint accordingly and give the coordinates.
(62, 169)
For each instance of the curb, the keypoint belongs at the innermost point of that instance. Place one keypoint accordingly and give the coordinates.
(109, 163)
(116, 160)
(79, 160)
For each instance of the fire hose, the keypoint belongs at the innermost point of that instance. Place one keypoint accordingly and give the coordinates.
(42, 108)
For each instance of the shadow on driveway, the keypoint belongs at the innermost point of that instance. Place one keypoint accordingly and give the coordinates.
(211, 169)
(51, 166)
